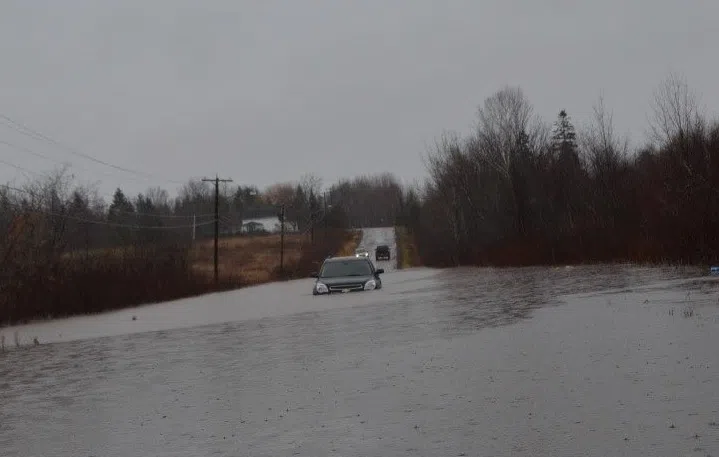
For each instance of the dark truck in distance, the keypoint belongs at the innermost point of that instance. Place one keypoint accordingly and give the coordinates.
(382, 252)
(346, 274)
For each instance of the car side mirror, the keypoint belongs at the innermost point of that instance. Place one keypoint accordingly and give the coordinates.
(313, 274)
(379, 271)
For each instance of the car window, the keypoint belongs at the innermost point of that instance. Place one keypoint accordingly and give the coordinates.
(345, 268)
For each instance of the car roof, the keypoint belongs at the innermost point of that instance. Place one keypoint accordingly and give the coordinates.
(382, 246)
(346, 258)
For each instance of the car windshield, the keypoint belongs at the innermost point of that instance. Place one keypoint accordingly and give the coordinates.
(340, 268)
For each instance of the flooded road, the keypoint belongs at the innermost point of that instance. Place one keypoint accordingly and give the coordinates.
(373, 237)
(601, 360)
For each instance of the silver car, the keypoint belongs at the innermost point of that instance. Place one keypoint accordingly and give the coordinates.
(361, 252)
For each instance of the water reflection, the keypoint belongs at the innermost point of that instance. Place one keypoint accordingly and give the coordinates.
(473, 298)
(266, 383)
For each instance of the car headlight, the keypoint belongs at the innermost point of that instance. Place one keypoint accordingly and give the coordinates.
(321, 288)
(370, 285)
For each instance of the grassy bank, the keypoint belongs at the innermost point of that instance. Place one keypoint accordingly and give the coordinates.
(256, 259)
(39, 288)
(332, 242)
(350, 244)
(253, 259)
(407, 255)
(84, 282)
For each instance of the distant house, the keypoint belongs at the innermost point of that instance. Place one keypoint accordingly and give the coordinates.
(289, 227)
(259, 225)
(266, 225)
(253, 227)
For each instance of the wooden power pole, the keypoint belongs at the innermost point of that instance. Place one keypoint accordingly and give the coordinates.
(312, 226)
(282, 240)
(325, 212)
(217, 182)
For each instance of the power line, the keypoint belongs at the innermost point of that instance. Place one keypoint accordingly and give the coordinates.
(28, 131)
(135, 213)
(168, 216)
(24, 191)
(34, 153)
(27, 150)
(115, 224)
(17, 189)
(108, 197)
(22, 169)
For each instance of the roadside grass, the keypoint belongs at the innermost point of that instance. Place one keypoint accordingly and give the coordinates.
(349, 246)
(88, 282)
(407, 254)
(332, 242)
(253, 259)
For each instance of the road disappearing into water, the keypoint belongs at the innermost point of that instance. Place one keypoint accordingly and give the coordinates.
(373, 237)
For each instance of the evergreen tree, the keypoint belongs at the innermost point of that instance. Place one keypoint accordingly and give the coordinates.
(121, 209)
(568, 173)
(314, 206)
(79, 206)
(298, 209)
(564, 136)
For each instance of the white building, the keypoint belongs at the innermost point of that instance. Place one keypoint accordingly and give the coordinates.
(265, 224)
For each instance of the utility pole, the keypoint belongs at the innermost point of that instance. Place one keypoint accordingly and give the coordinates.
(217, 182)
(325, 213)
(282, 239)
(312, 226)
(194, 227)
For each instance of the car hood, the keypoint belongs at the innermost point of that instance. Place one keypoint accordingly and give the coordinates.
(345, 280)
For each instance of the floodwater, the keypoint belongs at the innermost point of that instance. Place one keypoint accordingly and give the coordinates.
(373, 237)
(600, 360)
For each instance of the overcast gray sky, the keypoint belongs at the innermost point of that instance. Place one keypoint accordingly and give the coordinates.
(265, 90)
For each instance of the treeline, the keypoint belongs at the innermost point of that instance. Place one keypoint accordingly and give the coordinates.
(79, 219)
(370, 201)
(518, 191)
(362, 201)
(65, 251)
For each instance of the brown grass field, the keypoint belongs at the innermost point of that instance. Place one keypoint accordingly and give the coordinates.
(254, 259)
(349, 247)
(89, 281)
(251, 259)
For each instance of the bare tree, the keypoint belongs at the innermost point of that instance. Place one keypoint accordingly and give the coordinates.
(310, 182)
(505, 122)
(195, 190)
(507, 139)
(279, 194)
(675, 111)
(602, 147)
(159, 199)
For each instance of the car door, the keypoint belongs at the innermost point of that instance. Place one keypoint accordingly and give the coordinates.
(374, 274)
